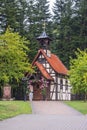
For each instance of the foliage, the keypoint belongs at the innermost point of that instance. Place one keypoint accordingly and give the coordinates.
(10, 109)
(13, 58)
(62, 29)
(43, 91)
(78, 72)
(25, 17)
(80, 106)
(12, 13)
(70, 28)
(8, 10)
(67, 26)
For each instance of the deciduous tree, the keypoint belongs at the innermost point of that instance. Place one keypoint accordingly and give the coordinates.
(78, 73)
(13, 58)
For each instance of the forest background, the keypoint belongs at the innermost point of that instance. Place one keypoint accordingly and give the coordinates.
(67, 25)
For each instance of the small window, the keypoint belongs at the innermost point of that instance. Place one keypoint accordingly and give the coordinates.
(61, 81)
(41, 60)
(66, 84)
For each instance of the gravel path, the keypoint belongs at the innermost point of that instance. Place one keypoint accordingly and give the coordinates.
(53, 107)
(47, 115)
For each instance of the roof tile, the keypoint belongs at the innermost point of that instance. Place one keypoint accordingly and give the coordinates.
(54, 62)
(43, 71)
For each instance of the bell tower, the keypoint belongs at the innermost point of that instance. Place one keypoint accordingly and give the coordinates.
(44, 42)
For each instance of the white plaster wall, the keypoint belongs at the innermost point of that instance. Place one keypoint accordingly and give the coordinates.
(52, 88)
(53, 75)
(64, 96)
(58, 80)
(54, 78)
(53, 96)
(53, 71)
(60, 96)
(58, 88)
(64, 80)
(69, 96)
(44, 64)
(69, 89)
(63, 88)
(40, 56)
(48, 70)
(48, 53)
(47, 65)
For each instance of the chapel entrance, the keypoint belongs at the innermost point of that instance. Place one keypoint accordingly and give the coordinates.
(41, 94)
(41, 87)
(37, 95)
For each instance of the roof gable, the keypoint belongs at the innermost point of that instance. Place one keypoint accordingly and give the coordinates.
(43, 71)
(54, 62)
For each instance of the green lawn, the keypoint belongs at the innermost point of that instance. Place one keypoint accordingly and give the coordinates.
(81, 106)
(12, 108)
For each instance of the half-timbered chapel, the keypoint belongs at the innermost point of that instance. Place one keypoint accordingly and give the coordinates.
(51, 74)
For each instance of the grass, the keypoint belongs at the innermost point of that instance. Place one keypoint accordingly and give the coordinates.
(13, 108)
(80, 106)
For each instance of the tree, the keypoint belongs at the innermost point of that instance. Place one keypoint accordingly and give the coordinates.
(21, 16)
(62, 29)
(78, 73)
(13, 14)
(79, 24)
(8, 11)
(70, 28)
(13, 59)
(25, 17)
(83, 24)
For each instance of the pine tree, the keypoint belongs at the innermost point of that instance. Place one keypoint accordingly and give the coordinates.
(13, 14)
(79, 25)
(21, 16)
(83, 24)
(62, 31)
(70, 28)
(8, 12)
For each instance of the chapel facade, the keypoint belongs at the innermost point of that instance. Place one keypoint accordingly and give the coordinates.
(50, 74)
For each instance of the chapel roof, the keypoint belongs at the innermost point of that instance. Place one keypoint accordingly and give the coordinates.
(43, 71)
(54, 62)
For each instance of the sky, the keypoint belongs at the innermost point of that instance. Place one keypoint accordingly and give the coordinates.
(51, 4)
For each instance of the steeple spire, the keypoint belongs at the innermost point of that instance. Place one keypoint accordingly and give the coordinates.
(44, 40)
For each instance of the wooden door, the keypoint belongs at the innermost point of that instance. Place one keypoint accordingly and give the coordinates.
(37, 95)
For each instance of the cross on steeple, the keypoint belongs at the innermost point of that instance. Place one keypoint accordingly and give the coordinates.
(44, 26)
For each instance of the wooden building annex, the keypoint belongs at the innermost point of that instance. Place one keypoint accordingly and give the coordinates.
(51, 73)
